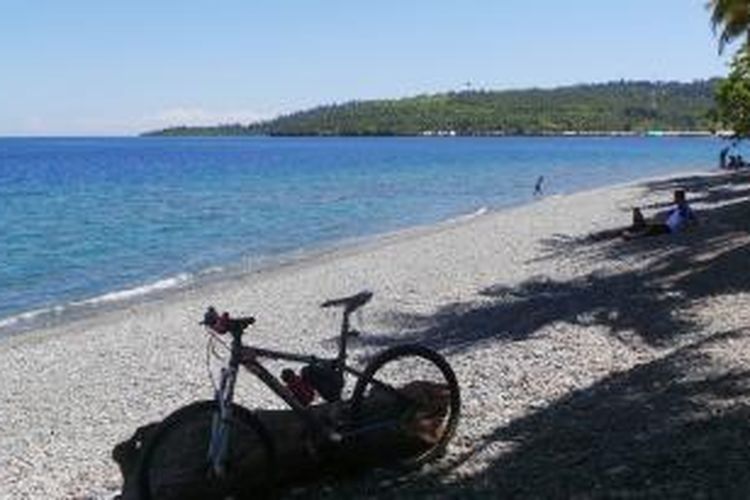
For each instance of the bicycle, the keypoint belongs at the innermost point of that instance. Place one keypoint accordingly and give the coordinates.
(219, 449)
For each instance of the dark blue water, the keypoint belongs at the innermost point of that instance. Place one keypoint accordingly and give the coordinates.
(80, 218)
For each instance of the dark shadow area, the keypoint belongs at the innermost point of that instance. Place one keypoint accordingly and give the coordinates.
(622, 302)
(711, 190)
(676, 427)
(652, 302)
(704, 188)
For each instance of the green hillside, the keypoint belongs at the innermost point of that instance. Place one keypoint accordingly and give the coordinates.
(615, 106)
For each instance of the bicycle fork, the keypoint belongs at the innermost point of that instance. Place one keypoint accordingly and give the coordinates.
(218, 446)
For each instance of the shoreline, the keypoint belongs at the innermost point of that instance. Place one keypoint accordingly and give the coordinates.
(519, 297)
(523, 298)
(656, 133)
(248, 268)
(63, 314)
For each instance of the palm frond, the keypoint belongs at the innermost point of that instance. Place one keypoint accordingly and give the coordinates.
(730, 19)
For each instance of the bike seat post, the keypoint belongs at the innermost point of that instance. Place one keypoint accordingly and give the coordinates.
(344, 335)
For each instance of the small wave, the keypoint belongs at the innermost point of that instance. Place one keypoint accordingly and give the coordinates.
(472, 215)
(30, 316)
(29, 319)
(212, 270)
(131, 293)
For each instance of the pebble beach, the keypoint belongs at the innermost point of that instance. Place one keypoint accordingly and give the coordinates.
(589, 366)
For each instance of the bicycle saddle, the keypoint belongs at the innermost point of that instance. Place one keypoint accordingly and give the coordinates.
(351, 303)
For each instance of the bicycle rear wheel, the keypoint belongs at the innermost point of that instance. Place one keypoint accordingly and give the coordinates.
(174, 463)
(413, 390)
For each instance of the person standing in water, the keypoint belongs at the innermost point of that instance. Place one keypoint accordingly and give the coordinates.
(538, 186)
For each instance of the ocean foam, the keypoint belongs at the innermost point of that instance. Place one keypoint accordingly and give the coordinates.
(139, 291)
(31, 318)
(471, 215)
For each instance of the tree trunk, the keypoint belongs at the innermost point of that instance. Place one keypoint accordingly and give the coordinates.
(297, 459)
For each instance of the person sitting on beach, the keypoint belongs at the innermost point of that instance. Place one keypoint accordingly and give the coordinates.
(734, 162)
(678, 218)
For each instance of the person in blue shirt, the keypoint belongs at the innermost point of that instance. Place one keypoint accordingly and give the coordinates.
(678, 218)
(681, 215)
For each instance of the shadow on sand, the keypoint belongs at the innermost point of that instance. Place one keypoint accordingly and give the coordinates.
(678, 426)
(672, 428)
(653, 303)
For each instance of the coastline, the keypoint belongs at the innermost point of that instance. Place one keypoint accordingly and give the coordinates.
(119, 255)
(62, 314)
(510, 296)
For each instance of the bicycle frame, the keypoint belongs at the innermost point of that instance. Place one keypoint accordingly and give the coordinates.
(247, 357)
(390, 397)
(249, 360)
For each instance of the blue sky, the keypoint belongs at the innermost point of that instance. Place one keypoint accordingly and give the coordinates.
(80, 67)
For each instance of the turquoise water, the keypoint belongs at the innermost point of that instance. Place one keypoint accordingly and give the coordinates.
(83, 218)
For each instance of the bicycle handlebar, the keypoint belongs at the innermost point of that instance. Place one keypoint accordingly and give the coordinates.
(223, 323)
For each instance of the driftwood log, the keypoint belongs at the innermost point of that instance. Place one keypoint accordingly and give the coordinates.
(297, 460)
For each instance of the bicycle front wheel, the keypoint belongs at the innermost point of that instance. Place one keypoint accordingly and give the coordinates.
(413, 391)
(175, 465)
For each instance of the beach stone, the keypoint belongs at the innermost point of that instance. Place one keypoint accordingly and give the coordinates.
(543, 327)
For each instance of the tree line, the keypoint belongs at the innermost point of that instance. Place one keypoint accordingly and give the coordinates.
(628, 106)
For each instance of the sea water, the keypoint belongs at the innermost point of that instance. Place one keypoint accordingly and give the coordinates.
(85, 221)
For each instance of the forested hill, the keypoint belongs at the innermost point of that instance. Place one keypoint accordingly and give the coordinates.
(596, 108)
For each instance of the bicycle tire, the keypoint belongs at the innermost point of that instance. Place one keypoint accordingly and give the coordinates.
(181, 443)
(372, 379)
